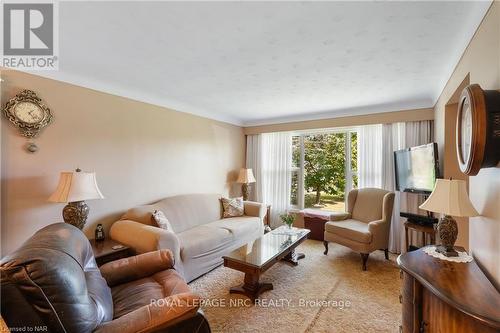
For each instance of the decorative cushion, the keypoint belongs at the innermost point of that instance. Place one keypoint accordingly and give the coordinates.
(161, 220)
(233, 207)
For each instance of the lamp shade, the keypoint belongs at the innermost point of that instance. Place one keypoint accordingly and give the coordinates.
(245, 176)
(450, 197)
(76, 186)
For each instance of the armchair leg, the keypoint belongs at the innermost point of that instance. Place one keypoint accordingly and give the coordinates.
(325, 243)
(386, 252)
(364, 258)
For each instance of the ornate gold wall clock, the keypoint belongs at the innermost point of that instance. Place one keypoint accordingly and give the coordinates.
(28, 113)
(478, 129)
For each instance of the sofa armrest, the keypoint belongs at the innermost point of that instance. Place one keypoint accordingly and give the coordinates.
(136, 267)
(256, 209)
(378, 228)
(158, 315)
(145, 238)
(380, 233)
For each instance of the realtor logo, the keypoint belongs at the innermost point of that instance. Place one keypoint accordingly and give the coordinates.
(29, 36)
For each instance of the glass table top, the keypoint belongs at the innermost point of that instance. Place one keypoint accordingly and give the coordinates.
(268, 246)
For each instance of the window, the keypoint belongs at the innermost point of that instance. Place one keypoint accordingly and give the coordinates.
(296, 170)
(324, 169)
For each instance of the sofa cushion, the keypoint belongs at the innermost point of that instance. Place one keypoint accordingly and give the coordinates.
(351, 229)
(238, 226)
(203, 240)
(133, 295)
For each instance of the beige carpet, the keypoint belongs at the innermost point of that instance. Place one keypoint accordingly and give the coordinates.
(293, 304)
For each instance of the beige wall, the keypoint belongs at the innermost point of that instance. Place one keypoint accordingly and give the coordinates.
(366, 119)
(139, 151)
(481, 61)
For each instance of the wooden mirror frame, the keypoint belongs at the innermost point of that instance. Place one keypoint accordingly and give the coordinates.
(485, 144)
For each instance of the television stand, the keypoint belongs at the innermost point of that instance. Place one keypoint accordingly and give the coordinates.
(419, 219)
(424, 230)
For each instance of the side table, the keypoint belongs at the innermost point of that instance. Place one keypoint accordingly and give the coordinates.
(315, 221)
(104, 252)
(424, 229)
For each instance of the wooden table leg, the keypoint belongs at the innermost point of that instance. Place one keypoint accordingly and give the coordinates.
(251, 287)
(294, 257)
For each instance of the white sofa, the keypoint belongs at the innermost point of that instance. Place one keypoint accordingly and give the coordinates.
(200, 236)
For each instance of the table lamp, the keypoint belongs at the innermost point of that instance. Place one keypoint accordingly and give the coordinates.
(74, 188)
(450, 198)
(245, 177)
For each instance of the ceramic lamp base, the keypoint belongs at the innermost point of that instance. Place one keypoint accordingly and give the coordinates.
(76, 213)
(449, 252)
(245, 189)
(448, 230)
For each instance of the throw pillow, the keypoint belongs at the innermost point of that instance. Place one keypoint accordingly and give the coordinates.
(161, 220)
(233, 207)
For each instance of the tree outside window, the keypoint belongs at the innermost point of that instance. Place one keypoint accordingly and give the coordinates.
(320, 172)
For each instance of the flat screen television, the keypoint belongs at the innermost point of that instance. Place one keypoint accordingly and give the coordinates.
(416, 168)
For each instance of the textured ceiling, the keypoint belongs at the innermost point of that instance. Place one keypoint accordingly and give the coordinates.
(264, 62)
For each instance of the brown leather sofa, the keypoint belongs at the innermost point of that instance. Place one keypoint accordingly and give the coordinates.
(52, 283)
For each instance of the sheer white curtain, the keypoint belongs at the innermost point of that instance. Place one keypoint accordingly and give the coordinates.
(254, 162)
(393, 138)
(370, 156)
(376, 144)
(276, 173)
(270, 157)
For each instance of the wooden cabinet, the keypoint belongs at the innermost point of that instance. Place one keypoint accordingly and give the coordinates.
(443, 296)
(317, 227)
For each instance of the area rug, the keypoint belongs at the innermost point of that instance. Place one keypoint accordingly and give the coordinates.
(322, 294)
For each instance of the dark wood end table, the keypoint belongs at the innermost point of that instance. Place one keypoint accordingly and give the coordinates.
(104, 252)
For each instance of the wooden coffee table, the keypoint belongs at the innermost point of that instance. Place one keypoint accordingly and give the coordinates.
(254, 259)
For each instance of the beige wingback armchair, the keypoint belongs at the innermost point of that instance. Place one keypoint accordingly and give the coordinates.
(365, 226)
